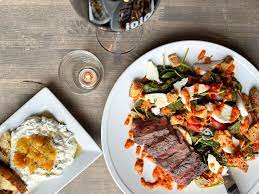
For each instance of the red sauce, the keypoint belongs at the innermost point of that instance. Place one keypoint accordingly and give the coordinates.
(165, 180)
(181, 187)
(138, 149)
(207, 60)
(196, 88)
(129, 143)
(139, 166)
(143, 154)
(244, 126)
(218, 109)
(212, 165)
(131, 134)
(186, 94)
(148, 184)
(127, 121)
(234, 114)
(201, 55)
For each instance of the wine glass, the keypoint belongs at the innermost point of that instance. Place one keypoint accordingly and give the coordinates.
(118, 22)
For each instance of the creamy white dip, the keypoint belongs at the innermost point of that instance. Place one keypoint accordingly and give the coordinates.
(63, 141)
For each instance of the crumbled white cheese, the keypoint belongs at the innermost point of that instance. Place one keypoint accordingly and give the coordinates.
(235, 141)
(178, 85)
(225, 115)
(214, 165)
(152, 72)
(155, 110)
(241, 106)
(186, 135)
(201, 88)
(159, 99)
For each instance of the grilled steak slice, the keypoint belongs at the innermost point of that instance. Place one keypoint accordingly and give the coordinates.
(189, 169)
(163, 148)
(175, 159)
(150, 131)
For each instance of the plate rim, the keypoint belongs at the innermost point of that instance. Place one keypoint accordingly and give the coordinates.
(104, 128)
(45, 91)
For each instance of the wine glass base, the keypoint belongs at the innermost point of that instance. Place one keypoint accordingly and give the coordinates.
(119, 42)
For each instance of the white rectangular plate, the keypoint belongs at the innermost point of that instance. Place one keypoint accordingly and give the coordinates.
(45, 101)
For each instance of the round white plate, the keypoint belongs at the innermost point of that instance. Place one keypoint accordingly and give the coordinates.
(121, 162)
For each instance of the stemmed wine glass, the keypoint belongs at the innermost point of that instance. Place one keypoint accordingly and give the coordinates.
(118, 22)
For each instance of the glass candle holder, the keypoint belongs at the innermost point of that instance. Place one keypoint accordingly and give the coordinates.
(80, 71)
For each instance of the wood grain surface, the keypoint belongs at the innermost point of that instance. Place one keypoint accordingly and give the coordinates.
(36, 34)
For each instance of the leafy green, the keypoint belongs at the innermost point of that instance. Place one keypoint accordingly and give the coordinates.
(163, 69)
(177, 105)
(211, 143)
(235, 128)
(194, 138)
(203, 145)
(138, 104)
(236, 84)
(137, 111)
(184, 69)
(152, 87)
(135, 114)
(169, 74)
(219, 157)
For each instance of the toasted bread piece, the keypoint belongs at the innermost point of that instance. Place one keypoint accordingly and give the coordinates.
(175, 61)
(5, 147)
(136, 89)
(14, 179)
(253, 133)
(254, 99)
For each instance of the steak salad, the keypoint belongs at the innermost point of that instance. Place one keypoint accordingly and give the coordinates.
(192, 121)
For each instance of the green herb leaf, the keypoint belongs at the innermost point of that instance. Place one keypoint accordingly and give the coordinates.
(235, 128)
(177, 105)
(169, 74)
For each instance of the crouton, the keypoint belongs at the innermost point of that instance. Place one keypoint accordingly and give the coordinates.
(227, 62)
(175, 61)
(136, 89)
(253, 133)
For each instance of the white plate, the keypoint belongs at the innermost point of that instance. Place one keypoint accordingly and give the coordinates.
(45, 101)
(120, 161)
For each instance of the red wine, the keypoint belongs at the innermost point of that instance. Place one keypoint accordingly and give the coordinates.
(120, 15)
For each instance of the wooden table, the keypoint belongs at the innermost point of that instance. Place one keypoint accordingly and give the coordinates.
(36, 34)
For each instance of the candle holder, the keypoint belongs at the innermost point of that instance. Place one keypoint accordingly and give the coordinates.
(80, 71)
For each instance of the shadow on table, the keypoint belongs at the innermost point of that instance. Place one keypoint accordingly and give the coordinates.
(81, 7)
(77, 114)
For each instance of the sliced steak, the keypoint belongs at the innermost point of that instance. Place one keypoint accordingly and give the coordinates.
(189, 169)
(175, 159)
(150, 131)
(163, 148)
